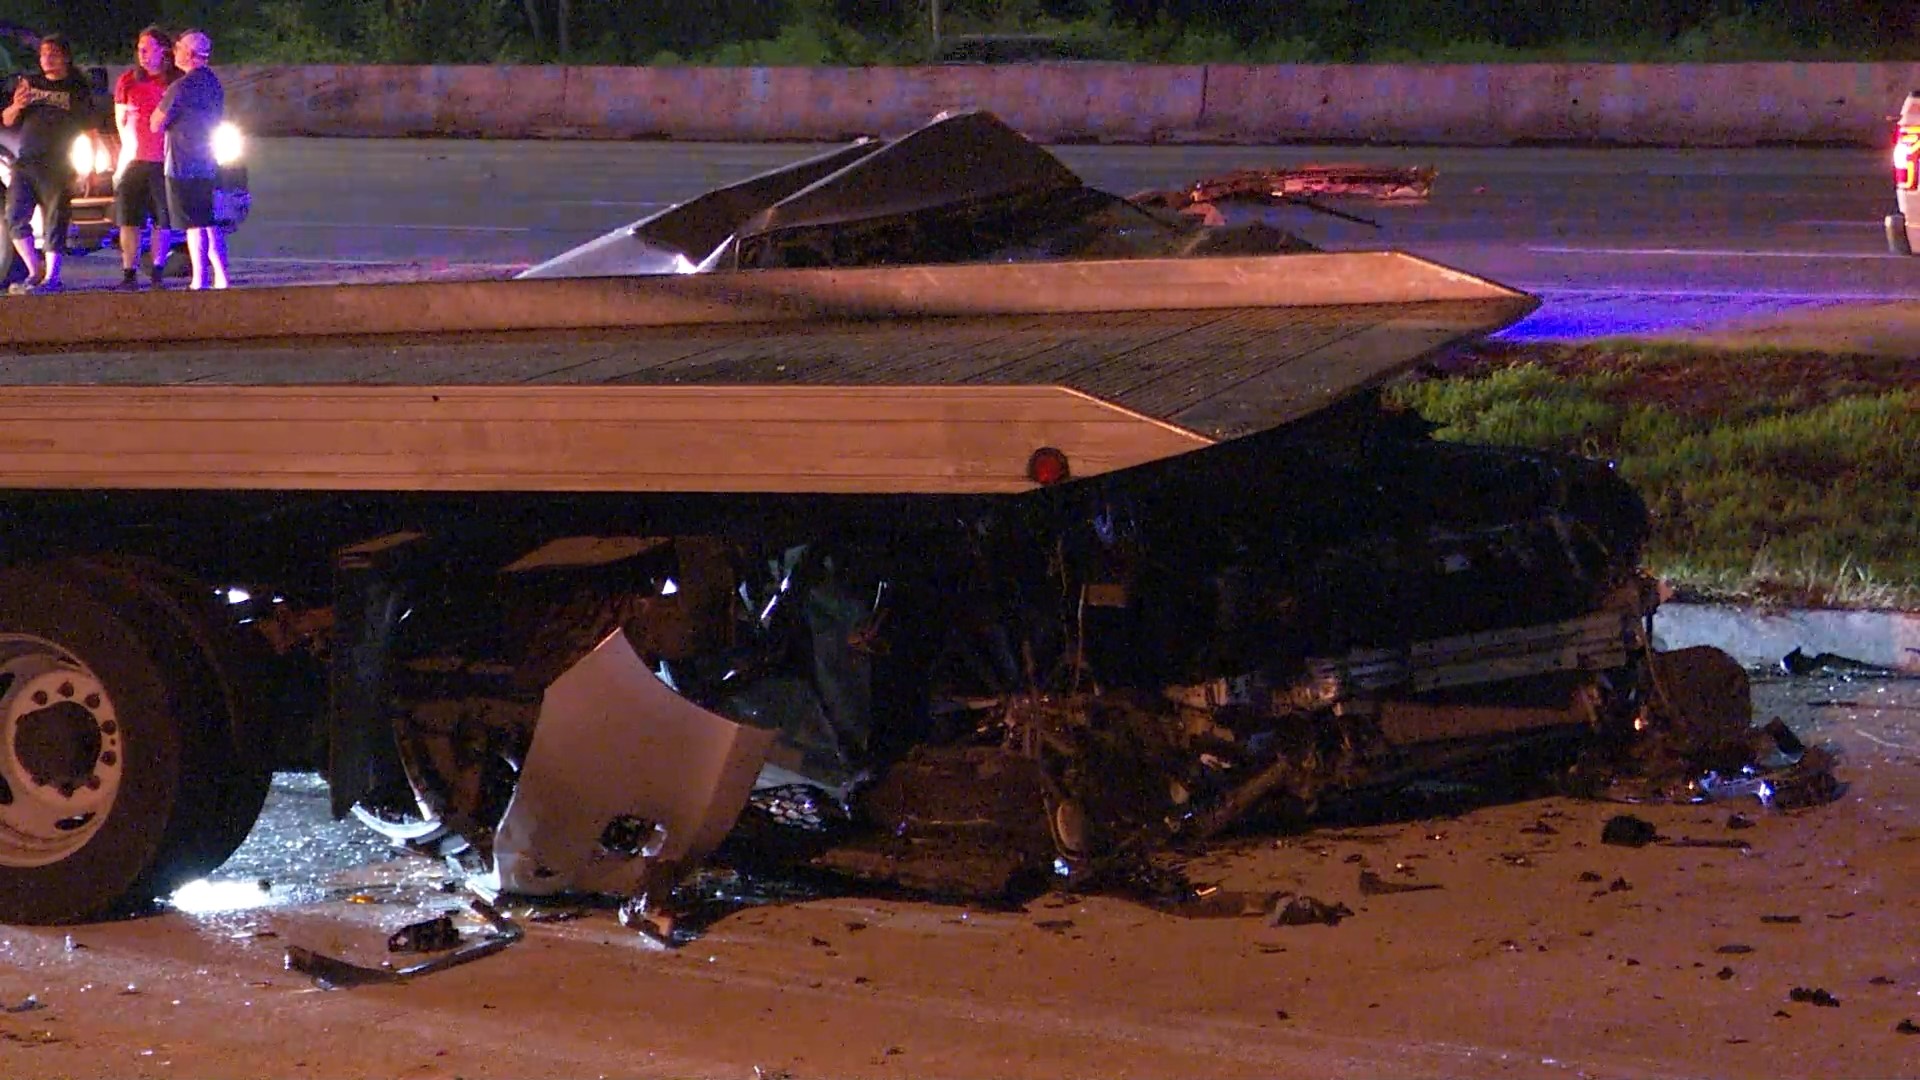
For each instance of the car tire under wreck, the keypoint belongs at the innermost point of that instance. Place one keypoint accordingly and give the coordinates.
(981, 698)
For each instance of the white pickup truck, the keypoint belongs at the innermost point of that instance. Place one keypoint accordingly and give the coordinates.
(1902, 236)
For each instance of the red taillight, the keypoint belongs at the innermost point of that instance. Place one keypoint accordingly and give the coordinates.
(1048, 467)
(1906, 158)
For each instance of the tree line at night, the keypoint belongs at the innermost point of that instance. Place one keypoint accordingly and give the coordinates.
(901, 31)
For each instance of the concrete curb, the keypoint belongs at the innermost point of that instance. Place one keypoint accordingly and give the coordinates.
(1759, 638)
(1696, 105)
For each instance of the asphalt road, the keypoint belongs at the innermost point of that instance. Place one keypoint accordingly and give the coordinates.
(1516, 965)
(1615, 240)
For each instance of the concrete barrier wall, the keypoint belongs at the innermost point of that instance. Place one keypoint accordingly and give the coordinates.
(1457, 104)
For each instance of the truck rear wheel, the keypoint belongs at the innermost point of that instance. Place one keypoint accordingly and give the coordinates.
(112, 749)
(220, 667)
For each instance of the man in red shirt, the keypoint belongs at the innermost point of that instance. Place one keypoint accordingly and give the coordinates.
(140, 195)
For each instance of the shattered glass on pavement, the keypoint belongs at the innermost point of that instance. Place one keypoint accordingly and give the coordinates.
(287, 858)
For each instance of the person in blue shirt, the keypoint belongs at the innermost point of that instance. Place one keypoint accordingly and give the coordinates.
(188, 114)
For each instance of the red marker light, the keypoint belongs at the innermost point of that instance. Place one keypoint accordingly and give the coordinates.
(1906, 159)
(1048, 467)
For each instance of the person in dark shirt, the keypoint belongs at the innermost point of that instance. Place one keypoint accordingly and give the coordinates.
(189, 112)
(52, 108)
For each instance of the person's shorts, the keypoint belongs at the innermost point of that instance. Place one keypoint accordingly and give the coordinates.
(37, 184)
(190, 202)
(141, 196)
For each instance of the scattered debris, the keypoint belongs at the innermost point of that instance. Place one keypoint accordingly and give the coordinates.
(1620, 884)
(1737, 820)
(1780, 920)
(1734, 950)
(1907, 1027)
(1307, 911)
(332, 973)
(1540, 828)
(1214, 902)
(1784, 738)
(1883, 980)
(544, 914)
(1723, 974)
(1693, 842)
(30, 1003)
(1372, 884)
(1625, 830)
(1798, 662)
(1054, 926)
(1296, 185)
(1807, 781)
(1811, 996)
(32, 1038)
(639, 913)
(73, 945)
(431, 935)
(1588, 877)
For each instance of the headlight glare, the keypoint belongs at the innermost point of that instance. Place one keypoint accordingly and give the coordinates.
(229, 145)
(81, 156)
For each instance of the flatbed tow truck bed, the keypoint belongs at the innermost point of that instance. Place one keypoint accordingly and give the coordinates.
(898, 380)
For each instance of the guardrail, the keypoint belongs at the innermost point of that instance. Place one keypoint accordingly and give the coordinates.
(1448, 104)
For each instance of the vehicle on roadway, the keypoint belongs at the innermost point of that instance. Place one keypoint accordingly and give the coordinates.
(97, 161)
(1903, 226)
(956, 525)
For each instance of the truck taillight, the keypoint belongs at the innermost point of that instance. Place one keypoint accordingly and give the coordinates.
(1906, 158)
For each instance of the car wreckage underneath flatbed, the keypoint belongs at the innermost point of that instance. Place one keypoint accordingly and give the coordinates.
(959, 529)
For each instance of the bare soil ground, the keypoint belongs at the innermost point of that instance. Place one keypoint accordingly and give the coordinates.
(1543, 953)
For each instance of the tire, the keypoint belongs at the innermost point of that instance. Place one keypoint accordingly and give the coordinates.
(238, 760)
(130, 817)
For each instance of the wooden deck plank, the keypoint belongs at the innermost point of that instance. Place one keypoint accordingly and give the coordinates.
(946, 440)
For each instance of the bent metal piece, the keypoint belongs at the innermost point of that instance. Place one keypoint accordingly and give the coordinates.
(957, 159)
(679, 238)
(624, 774)
(333, 973)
